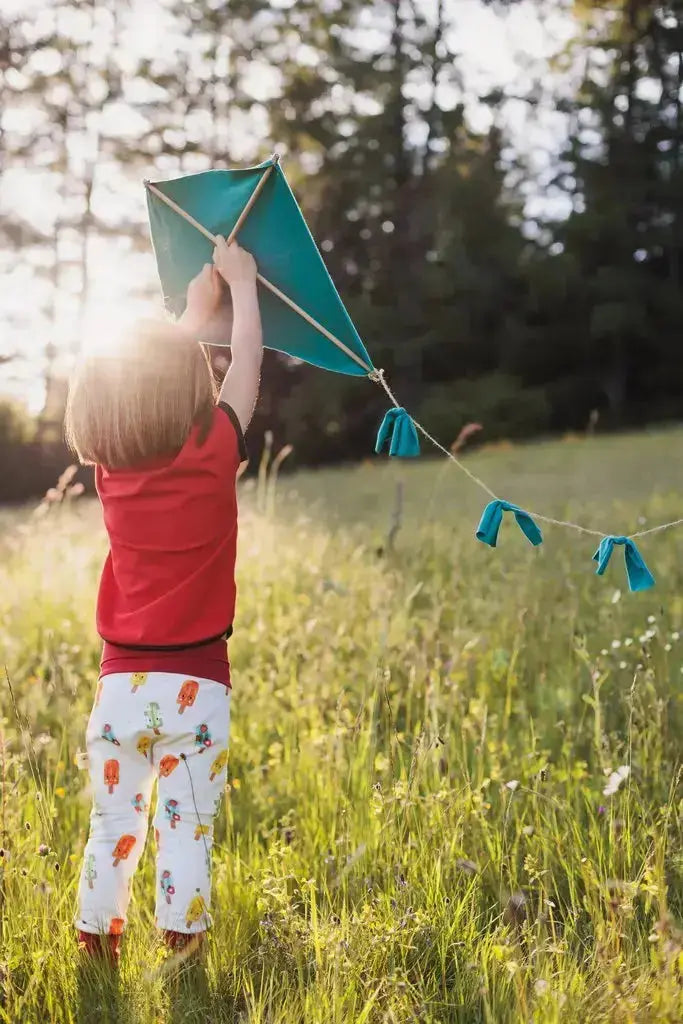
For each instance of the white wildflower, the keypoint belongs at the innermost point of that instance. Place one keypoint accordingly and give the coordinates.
(651, 619)
(628, 641)
(668, 647)
(512, 785)
(622, 664)
(616, 596)
(604, 652)
(616, 644)
(615, 780)
(541, 986)
(675, 635)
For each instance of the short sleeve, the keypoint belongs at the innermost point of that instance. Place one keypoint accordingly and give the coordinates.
(232, 416)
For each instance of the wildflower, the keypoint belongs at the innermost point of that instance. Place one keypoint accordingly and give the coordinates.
(667, 647)
(528, 830)
(628, 641)
(615, 780)
(616, 644)
(43, 850)
(60, 792)
(651, 619)
(604, 652)
(27, 826)
(512, 785)
(675, 636)
(622, 664)
(601, 809)
(616, 597)
(235, 783)
(541, 986)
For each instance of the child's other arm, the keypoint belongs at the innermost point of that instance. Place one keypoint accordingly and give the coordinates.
(241, 384)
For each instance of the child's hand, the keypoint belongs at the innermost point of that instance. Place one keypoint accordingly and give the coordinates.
(234, 264)
(203, 299)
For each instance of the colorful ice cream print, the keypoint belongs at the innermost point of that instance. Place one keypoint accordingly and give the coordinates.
(167, 886)
(139, 804)
(143, 745)
(137, 679)
(90, 870)
(195, 909)
(171, 809)
(111, 773)
(123, 848)
(218, 764)
(108, 734)
(116, 926)
(187, 695)
(202, 737)
(153, 717)
(202, 830)
(167, 764)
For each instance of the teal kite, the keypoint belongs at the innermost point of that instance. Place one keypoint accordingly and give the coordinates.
(302, 313)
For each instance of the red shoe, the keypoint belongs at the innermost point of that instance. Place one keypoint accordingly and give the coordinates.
(105, 947)
(181, 942)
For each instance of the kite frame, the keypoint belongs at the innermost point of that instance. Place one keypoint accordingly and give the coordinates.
(275, 160)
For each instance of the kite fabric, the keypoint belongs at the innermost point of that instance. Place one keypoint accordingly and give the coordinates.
(637, 573)
(487, 531)
(276, 233)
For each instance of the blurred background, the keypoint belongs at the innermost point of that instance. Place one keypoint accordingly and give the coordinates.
(496, 188)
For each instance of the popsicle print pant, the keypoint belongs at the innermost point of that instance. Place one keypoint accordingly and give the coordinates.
(147, 726)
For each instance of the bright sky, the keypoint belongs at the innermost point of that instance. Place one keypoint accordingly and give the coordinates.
(494, 51)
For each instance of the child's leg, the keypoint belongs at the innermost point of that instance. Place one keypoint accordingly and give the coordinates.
(121, 776)
(191, 760)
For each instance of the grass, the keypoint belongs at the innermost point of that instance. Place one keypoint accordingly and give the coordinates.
(415, 826)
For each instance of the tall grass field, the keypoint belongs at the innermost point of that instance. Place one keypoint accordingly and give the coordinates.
(454, 791)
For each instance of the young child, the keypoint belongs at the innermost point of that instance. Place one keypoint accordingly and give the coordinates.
(166, 454)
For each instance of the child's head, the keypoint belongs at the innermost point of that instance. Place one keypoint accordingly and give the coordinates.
(140, 401)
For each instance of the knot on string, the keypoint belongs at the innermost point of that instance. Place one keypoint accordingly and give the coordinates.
(398, 429)
(637, 573)
(376, 376)
(492, 517)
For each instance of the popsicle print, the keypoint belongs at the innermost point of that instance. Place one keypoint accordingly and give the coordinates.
(219, 764)
(123, 848)
(195, 909)
(171, 810)
(143, 745)
(108, 734)
(137, 679)
(153, 717)
(168, 764)
(187, 695)
(111, 774)
(90, 870)
(202, 737)
(167, 886)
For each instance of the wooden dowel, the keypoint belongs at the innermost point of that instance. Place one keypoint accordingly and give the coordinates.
(312, 321)
(264, 280)
(179, 210)
(252, 199)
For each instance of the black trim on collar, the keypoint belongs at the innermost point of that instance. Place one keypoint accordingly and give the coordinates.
(232, 416)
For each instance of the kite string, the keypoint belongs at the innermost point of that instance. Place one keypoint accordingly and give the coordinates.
(377, 376)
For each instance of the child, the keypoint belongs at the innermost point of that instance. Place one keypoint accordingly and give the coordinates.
(166, 457)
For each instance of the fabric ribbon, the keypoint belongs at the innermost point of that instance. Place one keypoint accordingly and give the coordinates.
(638, 575)
(399, 430)
(487, 531)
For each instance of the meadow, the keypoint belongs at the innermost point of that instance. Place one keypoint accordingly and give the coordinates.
(416, 827)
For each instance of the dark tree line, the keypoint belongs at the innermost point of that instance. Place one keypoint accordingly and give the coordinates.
(476, 310)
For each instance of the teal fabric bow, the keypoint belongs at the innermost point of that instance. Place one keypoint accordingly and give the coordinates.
(398, 428)
(638, 575)
(487, 531)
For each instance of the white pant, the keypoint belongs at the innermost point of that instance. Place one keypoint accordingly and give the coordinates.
(145, 726)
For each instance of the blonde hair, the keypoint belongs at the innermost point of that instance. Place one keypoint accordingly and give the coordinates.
(141, 400)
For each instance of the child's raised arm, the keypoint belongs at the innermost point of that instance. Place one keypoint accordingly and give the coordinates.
(240, 387)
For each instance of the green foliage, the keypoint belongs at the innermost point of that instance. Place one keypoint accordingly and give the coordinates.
(416, 827)
(16, 424)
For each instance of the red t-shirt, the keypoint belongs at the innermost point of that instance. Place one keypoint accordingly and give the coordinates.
(168, 584)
